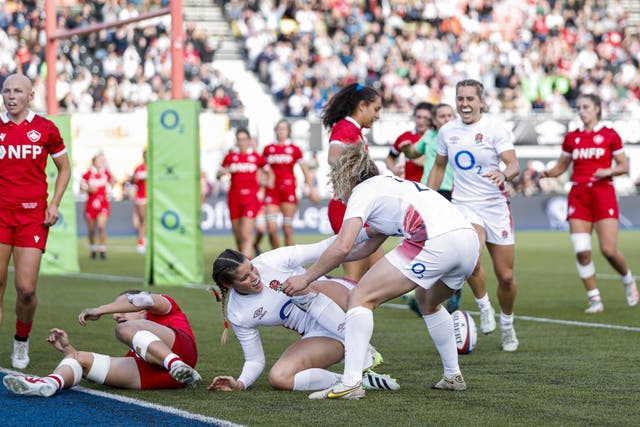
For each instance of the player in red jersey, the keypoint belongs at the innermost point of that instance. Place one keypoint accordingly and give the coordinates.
(95, 183)
(139, 180)
(412, 169)
(243, 164)
(592, 199)
(162, 353)
(350, 110)
(26, 139)
(282, 156)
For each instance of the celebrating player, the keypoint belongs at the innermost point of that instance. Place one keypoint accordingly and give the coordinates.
(25, 218)
(350, 110)
(243, 164)
(592, 199)
(251, 287)
(96, 212)
(282, 156)
(474, 146)
(162, 351)
(435, 235)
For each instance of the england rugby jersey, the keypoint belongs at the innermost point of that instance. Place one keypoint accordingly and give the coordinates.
(472, 150)
(398, 207)
(24, 148)
(270, 307)
(591, 151)
(282, 158)
(243, 168)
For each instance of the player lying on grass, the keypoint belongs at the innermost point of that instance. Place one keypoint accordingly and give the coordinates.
(250, 298)
(163, 356)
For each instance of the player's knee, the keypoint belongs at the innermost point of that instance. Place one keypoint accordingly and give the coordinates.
(609, 251)
(280, 378)
(506, 278)
(124, 332)
(583, 258)
(26, 294)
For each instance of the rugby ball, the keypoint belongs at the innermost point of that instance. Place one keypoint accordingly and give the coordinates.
(465, 332)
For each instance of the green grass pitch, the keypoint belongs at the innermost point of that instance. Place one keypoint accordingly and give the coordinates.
(561, 374)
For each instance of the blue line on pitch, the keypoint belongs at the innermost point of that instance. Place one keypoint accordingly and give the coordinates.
(69, 407)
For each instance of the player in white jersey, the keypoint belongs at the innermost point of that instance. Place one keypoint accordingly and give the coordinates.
(475, 145)
(250, 294)
(438, 252)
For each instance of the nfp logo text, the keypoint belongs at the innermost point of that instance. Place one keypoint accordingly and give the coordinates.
(24, 151)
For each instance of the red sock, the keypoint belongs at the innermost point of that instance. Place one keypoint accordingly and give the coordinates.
(23, 329)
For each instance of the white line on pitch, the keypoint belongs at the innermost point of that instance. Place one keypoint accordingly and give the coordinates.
(544, 320)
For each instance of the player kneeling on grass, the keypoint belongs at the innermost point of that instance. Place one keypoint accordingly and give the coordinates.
(251, 299)
(162, 350)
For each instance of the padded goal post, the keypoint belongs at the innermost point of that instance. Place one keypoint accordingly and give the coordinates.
(174, 239)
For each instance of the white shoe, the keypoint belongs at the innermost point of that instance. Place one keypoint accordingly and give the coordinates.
(374, 381)
(509, 340)
(631, 290)
(374, 359)
(594, 307)
(455, 383)
(487, 320)
(184, 373)
(141, 249)
(20, 356)
(29, 385)
(340, 391)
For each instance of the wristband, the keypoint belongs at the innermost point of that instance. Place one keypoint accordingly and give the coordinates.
(506, 178)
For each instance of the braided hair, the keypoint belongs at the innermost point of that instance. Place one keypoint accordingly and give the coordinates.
(223, 273)
(346, 101)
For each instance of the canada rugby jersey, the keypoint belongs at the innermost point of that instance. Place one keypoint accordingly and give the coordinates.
(282, 159)
(98, 180)
(591, 151)
(243, 168)
(140, 181)
(412, 171)
(24, 148)
(346, 131)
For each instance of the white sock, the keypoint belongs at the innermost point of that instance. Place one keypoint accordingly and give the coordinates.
(170, 359)
(594, 295)
(483, 303)
(56, 380)
(627, 279)
(328, 314)
(358, 332)
(314, 379)
(506, 320)
(440, 326)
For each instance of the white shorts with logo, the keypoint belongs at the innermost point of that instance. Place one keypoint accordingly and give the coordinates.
(450, 257)
(312, 327)
(494, 216)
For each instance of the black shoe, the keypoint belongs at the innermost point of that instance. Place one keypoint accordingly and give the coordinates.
(103, 255)
(93, 254)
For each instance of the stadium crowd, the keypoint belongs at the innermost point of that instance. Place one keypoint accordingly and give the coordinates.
(112, 70)
(529, 55)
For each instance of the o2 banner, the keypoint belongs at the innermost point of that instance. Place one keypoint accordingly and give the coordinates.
(174, 240)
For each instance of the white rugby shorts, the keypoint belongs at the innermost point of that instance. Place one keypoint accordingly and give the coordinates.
(494, 217)
(450, 257)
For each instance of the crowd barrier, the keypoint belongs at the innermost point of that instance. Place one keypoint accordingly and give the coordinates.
(529, 213)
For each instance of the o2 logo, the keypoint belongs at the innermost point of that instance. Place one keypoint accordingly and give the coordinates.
(418, 269)
(465, 161)
(170, 120)
(170, 220)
